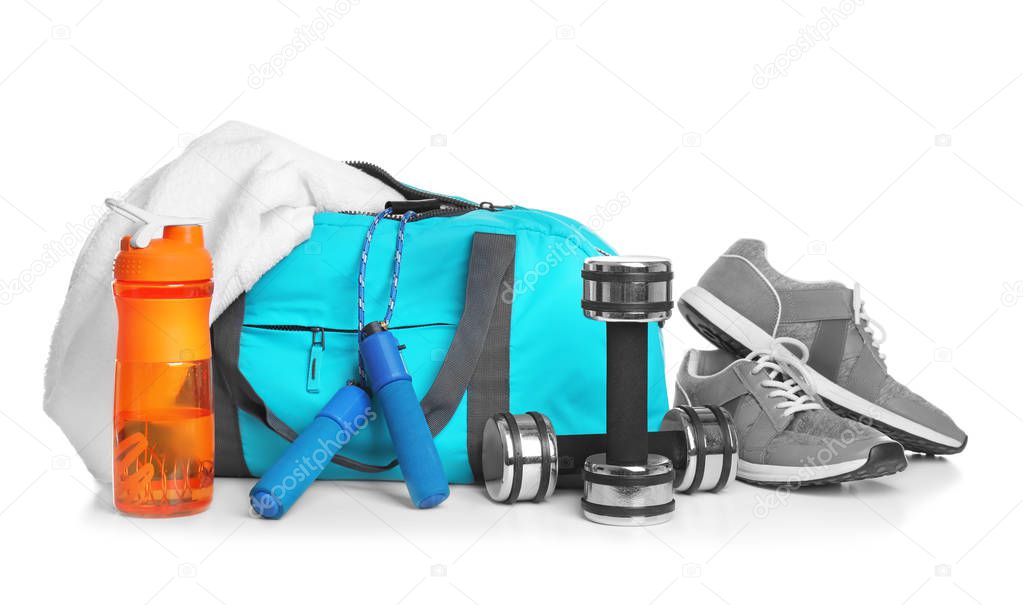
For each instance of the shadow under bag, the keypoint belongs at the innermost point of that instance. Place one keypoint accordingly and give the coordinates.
(486, 308)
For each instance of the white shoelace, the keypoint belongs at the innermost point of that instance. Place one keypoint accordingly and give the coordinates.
(787, 374)
(870, 326)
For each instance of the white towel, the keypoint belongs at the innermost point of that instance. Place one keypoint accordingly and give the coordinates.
(259, 192)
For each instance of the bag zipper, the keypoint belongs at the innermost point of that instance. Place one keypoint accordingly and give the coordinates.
(312, 380)
(300, 328)
(449, 206)
(319, 345)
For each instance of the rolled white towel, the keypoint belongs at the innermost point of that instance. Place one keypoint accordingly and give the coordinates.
(259, 192)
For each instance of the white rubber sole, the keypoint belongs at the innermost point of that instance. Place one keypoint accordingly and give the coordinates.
(771, 473)
(753, 337)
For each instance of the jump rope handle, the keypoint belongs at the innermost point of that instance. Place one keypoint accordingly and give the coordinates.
(391, 386)
(310, 453)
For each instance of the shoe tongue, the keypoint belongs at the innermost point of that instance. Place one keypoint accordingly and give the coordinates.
(744, 364)
(780, 374)
(748, 245)
(868, 342)
(748, 365)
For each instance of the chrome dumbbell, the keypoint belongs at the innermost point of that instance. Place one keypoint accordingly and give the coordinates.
(626, 484)
(524, 459)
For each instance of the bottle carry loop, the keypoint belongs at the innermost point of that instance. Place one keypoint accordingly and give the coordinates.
(151, 224)
(481, 337)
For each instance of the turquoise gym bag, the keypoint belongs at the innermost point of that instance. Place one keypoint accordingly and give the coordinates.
(487, 308)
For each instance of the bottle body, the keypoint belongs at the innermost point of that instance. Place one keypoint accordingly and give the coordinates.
(163, 402)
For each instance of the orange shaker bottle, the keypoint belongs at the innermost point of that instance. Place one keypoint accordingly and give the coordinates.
(163, 403)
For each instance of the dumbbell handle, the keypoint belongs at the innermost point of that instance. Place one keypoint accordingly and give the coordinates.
(626, 394)
(574, 449)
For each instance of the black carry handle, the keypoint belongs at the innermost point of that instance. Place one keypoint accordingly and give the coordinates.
(417, 206)
(490, 259)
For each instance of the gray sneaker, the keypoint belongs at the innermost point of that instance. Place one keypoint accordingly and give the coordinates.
(743, 304)
(786, 435)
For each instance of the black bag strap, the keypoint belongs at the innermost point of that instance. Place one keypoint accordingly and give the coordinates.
(478, 358)
(491, 258)
(488, 287)
(228, 387)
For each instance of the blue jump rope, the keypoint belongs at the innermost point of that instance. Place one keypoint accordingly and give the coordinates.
(383, 372)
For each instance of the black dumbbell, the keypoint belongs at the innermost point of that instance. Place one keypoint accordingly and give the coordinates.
(523, 458)
(627, 485)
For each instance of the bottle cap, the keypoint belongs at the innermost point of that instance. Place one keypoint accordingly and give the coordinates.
(180, 255)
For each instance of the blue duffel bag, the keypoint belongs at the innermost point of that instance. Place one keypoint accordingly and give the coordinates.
(487, 308)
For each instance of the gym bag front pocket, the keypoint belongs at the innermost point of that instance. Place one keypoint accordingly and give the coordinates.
(296, 369)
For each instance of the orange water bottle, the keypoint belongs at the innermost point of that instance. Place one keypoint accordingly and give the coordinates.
(163, 403)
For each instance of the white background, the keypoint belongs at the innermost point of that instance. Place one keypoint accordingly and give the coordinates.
(888, 153)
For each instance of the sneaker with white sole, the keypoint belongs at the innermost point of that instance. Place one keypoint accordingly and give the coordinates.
(743, 304)
(786, 435)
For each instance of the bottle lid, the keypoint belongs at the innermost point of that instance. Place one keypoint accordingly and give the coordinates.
(180, 255)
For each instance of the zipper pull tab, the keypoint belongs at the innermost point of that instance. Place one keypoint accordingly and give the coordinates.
(493, 207)
(312, 380)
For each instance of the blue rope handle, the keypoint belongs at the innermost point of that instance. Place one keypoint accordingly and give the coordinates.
(399, 247)
(362, 268)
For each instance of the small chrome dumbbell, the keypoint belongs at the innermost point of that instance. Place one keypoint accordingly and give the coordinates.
(627, 485)
(523, 458)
